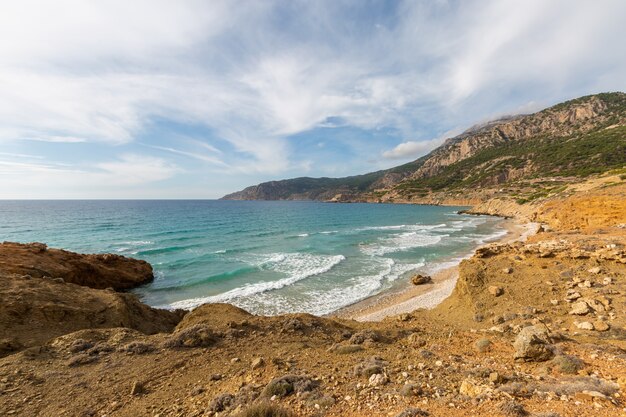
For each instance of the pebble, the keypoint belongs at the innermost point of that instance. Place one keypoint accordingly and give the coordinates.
(585, 325)
(496, 291)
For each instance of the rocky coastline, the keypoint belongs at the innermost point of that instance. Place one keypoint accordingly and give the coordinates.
(531, 328)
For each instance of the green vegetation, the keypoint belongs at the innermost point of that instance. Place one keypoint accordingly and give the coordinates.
(499, 160)
(579, 155)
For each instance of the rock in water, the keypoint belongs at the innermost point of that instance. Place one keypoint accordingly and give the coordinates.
(532, 344)
(419, 279)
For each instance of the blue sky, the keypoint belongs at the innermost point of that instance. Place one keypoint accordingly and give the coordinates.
(195, 99)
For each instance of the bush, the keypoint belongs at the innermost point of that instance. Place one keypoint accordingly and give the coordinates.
(512, 408)
(138, 348)
(413, 412)
(568, 364)
(347, 349)
(199, 335)
(286, 385)
(482, 345)
(265, 410)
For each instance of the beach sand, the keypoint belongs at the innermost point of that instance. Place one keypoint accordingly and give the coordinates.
(411, 297)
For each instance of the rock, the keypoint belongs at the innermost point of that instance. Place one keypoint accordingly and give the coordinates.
(554, 302)
(572, 295)
(496, 291)
(533, 344)
(258, 363)
(595, 270)
(495, 377)
(472, 389)
(235, 360)
(378, 380)
(607, 280)
(585, 325)
(595, 305)
(507, 270)
(137, 388)
(580, 308)
(95, 271)
(419, 279)
(601, 326)
(590, 395)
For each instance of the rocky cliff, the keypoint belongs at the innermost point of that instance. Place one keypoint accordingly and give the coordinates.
(95, 271)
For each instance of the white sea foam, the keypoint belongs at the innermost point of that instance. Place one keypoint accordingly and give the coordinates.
(297, 266)
(303, 235)
(138, 242)
(407, 227)
(400, 242)
(323, 301)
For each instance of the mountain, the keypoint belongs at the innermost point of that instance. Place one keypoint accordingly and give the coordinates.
(560, 144)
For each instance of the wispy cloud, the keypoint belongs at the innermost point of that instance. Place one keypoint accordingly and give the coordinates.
(193, 155)
(257, 73)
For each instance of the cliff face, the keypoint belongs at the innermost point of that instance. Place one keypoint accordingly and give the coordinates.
(572, 139)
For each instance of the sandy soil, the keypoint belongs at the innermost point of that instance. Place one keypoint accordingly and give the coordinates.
(409, 298)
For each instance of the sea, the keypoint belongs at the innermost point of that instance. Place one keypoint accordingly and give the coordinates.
(268, 257)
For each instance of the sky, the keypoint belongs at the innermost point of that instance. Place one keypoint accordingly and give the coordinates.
(196, 99)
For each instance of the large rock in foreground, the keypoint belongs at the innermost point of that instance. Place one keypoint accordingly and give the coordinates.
(95, 271)
(532, 344)
(34, 310)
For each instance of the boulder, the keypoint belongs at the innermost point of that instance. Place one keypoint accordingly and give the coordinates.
(419, 279)
(580, 308)
(532, 344)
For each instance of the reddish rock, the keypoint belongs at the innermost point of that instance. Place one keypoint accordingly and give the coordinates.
(95, 271)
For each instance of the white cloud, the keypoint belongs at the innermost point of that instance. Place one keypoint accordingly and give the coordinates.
(94, 71)
(412, 149)
(44, 180)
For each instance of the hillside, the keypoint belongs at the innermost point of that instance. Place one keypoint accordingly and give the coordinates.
(565, 142)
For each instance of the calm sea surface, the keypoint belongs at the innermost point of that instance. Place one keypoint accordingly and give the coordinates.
(267, 257)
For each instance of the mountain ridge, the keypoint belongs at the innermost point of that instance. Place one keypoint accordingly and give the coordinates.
(592, 128)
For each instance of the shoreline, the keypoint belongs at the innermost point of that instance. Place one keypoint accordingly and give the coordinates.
(411, 297)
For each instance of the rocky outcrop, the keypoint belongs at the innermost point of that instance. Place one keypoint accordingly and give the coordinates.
(34, 310)
(94, 271)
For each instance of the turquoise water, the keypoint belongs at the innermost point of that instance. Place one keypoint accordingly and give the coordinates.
(267, 257)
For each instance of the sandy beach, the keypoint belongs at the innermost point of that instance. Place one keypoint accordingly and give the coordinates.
(409, 297)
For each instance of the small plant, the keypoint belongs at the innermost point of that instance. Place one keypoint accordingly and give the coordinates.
(137, 348)
(413, 412)
(512, 408)
(483, 345)
(265, 409)
(568, 364)
(347, 349)
(199, 335)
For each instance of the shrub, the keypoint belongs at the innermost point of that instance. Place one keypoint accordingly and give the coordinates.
(413, 412)
(512, 408)
(138, 348)
(265, 410)
(199, 335)
(288, 384)
(568, 364)
(482, 345)
(347, 349)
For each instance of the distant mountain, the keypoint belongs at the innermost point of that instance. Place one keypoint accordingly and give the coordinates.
(573, 139)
